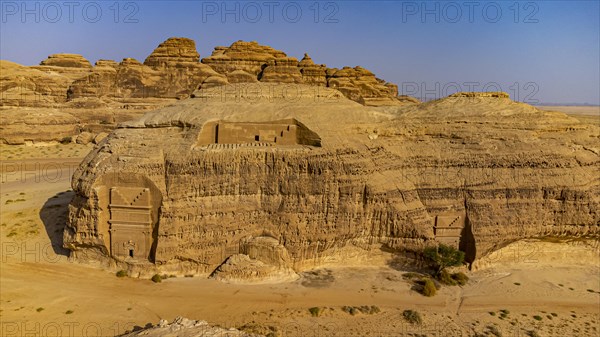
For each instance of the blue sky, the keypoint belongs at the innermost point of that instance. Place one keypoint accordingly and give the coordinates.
(546, 51)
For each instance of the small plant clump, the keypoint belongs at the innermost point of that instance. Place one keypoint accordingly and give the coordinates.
(493, 330)
(460, 278)
(537, 317)
(412, 316)
(364, 309)
(156, 278)
(121, 273)
(315, 311)
(429, 288)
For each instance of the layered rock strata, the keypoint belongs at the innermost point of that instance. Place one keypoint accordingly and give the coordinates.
(98, 97)
(256, 185)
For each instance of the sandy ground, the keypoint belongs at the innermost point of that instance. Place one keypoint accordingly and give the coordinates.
(586, 114)
(45, 294)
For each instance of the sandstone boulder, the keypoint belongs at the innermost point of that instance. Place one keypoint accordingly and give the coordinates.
(84, 138)
(100, 137)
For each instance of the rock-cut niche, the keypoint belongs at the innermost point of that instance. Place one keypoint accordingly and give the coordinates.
(128, 217)
(281, 132)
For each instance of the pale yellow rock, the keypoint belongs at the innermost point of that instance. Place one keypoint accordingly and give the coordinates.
(255, 182)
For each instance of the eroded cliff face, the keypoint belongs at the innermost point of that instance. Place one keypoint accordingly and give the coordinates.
(211, 180)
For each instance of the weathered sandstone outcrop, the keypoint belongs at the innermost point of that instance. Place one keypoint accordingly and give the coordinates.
(312, 73)
(66, 60)
(184, 327)
(361, 85)
(247, 56)
(282, 70)
(22, 86)
(173, 71)
(270, 65)
(258, 184)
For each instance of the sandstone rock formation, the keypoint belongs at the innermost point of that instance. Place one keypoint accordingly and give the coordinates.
(258, 184)
(66, 60)
(116, 91)
(184, 327)
(311, 73)
(26, 86)
(270, 65)
(247, 56)
(173, 70)
(362, 86)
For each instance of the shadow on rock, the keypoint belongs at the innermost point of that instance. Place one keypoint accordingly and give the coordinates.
(54, 216)
(407, 261)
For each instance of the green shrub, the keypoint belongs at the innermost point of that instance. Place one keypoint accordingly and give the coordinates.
(156, 278)
(444, 256)
(429, 288)
(315, 311)
(412, 316)
(351, 310)
(121, 273)
(365, 309)
(537, 317)
(374, 310)
(460, 278)
(66, 140)
(445, 278)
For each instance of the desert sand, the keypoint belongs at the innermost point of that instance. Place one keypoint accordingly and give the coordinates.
(43, 293)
